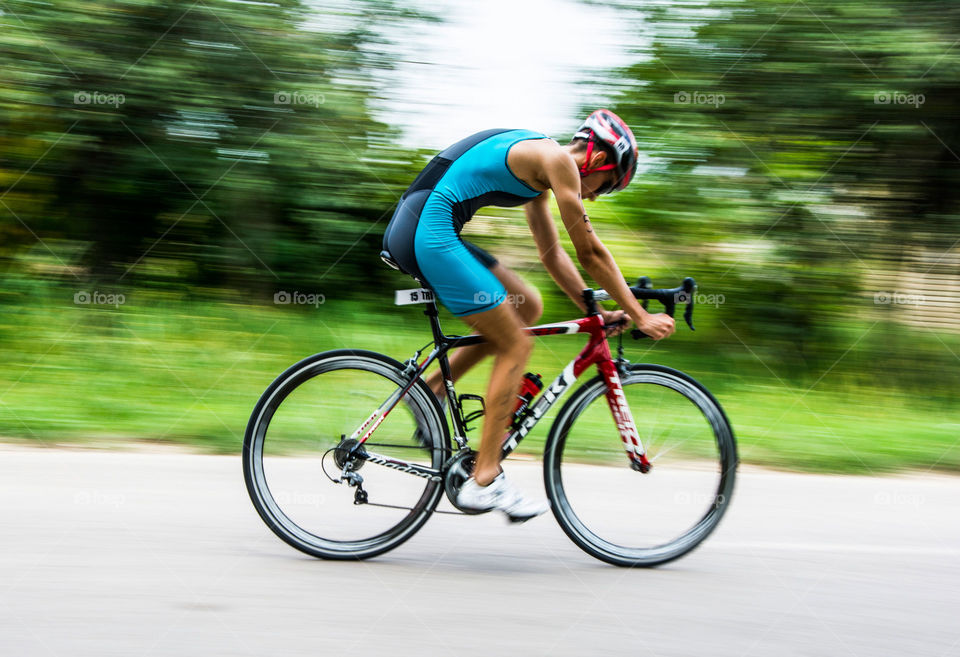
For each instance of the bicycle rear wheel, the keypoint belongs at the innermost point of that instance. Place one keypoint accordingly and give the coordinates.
(290, 455)
(625, 517)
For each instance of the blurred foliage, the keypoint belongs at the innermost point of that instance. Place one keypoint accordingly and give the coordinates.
(199, 158)
(218, 144)
(168, 369)
(797, 148)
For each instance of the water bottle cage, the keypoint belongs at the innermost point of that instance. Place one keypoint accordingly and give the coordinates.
(473, 415)
(522, 414)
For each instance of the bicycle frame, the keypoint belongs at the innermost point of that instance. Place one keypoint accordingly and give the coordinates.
(596, 352)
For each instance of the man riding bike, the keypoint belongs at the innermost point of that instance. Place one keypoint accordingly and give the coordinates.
(508, 168)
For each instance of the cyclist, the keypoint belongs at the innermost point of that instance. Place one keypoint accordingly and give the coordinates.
(509, 168)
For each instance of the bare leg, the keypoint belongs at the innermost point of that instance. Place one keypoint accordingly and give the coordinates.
(511, 348)
(527, 303)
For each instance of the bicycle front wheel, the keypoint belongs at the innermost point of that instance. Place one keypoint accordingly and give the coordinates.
(296, 436)
(629, 518)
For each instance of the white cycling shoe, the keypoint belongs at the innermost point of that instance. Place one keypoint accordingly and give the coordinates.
(500, 494)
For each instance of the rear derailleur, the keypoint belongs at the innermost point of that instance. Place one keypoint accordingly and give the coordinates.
(350, 456)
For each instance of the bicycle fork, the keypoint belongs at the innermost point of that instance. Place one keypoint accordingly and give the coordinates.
(623, 417)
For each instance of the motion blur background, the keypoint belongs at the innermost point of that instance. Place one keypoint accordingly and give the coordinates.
(192, 197)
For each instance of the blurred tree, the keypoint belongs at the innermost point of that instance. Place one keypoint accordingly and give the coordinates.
(214, 143)
(797, 146)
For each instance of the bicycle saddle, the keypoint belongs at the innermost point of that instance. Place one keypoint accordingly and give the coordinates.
(387, 258)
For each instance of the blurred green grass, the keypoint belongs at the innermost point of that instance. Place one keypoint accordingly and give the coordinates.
(165, 368)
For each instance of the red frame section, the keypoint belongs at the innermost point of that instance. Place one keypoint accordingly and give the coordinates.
(597, 352)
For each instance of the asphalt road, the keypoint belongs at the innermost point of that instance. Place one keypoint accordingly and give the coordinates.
(161, 553)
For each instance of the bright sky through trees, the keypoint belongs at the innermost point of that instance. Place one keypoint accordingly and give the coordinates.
(502, 63)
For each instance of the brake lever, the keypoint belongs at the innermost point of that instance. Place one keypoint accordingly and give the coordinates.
(690, 287)
(646, 283)
(688, 315)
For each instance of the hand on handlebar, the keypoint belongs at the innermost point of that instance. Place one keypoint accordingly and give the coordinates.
(657, 326)
(616, 321)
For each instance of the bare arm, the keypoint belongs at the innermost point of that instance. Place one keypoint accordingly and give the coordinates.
(592, 254)
(553, 256)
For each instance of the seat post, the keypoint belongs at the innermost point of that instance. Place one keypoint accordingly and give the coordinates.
(434, 315)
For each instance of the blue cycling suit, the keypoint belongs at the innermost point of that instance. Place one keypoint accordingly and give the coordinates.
(423, 236)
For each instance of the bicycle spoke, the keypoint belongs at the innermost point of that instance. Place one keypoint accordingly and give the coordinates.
(666, 451)
(316, 408)
(630, 518)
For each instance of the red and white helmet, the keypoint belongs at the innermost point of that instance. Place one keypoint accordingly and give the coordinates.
(606, 127)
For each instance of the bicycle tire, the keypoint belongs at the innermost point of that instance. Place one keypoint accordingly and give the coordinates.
(427, 415)
(632, 379)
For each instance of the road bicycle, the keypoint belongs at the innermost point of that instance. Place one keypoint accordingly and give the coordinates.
(348, 452)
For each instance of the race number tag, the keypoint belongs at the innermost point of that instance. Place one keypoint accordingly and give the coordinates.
(406, 297)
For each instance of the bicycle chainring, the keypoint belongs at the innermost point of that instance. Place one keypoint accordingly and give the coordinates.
(456, 471)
